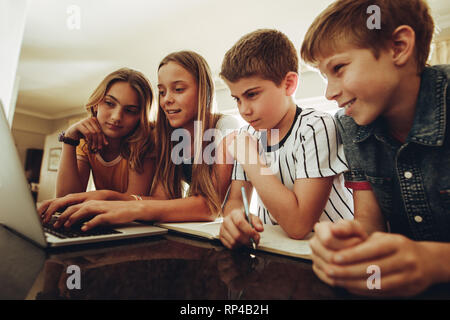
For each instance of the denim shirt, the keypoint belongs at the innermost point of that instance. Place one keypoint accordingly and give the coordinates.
(411, 181)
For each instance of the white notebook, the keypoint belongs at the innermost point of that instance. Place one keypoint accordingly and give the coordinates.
(273, 238)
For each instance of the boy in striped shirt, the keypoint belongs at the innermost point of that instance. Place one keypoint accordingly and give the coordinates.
(298, 160)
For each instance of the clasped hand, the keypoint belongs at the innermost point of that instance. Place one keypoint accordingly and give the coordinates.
(343, 251)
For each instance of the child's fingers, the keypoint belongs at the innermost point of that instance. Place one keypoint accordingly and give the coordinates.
(319, 250)
(257, 223)
(340, 244)
(43, 207)
(100, 219)
(99, 135)
(64, 202)
(229, 234)
(65, 216)
(322, 231)
(54, 206)
(322, 269)
(245, 230)
(96, 133)
(347, 229)
(226, 238)
(236, 231)
(242, 232)
(88, 128)
(378, 245)
(50, 208)
(320, 273)
(325, 235)
(70, 203)
(74, 214)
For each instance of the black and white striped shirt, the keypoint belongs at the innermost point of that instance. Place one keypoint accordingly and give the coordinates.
(311, 149)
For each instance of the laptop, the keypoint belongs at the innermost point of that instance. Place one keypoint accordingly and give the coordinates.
(18, 211)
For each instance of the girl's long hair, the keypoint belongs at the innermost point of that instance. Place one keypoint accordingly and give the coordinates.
(203, 175)
(139, 142)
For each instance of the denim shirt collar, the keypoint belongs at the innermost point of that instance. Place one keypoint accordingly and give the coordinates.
(430, 117)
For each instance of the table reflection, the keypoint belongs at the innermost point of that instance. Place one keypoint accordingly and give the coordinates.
(173, 267)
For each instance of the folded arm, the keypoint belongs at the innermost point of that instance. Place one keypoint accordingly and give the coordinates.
(295, 210)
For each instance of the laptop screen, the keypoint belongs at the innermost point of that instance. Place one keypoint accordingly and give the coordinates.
(18, 210)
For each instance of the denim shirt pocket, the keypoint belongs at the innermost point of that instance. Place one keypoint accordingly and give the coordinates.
(383, 189)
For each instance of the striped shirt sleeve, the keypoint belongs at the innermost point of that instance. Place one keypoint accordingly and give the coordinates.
(320, 152)
(238, 172)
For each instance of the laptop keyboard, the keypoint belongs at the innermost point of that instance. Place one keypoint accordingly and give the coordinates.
(75, 230)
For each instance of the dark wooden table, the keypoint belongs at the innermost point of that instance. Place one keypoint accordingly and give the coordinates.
(168, 267)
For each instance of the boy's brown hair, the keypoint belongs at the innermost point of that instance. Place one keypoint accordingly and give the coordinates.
(345, 21)
(266, 53)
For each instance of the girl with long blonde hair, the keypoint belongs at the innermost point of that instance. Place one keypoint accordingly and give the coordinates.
(115, 143)
(186, 187)
(180, 73)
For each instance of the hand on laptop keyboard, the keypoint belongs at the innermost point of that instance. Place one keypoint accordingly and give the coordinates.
(75, 230)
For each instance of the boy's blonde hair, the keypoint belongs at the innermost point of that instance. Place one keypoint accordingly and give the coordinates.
(345, 21)
(139, 142)
(266, 53)
(203, 175)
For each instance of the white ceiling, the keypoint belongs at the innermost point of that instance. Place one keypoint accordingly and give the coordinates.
(59, 67)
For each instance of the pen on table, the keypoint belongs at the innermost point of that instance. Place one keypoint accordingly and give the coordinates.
(247, 214)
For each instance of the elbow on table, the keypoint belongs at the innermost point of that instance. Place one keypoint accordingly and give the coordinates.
(298, 235)
(300, 225)
(299, 232)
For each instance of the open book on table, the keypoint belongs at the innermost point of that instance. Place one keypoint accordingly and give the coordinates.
(273, 238)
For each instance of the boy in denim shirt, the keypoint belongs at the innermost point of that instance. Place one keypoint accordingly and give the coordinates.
(395, 129)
